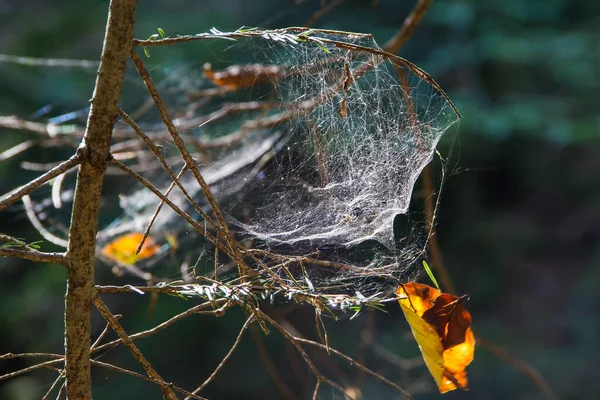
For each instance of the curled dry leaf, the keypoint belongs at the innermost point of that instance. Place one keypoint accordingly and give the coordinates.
(237, 77)
(441, 327)
(124, 247)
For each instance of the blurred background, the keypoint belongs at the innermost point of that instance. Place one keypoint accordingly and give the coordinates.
(518, 223)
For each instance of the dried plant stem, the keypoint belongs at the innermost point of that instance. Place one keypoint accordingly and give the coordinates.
(95, 154)
(137, 354)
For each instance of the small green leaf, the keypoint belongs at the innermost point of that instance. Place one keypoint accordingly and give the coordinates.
(430, 274)
(146, 52)
(161, 33)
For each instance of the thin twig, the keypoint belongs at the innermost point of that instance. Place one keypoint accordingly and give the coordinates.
(155, 150)
(201, 229)
(527, 369)
(29, 369)
(140, 376)
(199, 309)
(137, 354)
(355, 364)
(34, 255)
(189, 161)
(13, 151)
(33, 218)
(103, 333)
(58, 380)
(226, 358)
(296, 343)
(49, 62)
(396, 42)
(268, 363)
(18, 194)
(321, 12)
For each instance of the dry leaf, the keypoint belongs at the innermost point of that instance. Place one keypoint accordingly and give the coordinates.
(123, 248)
(237, 77)
(441, 327)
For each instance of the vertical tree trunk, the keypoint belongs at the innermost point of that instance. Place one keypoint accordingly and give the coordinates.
(84, 219)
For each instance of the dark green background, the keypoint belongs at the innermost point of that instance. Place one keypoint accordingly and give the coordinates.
(519, 223)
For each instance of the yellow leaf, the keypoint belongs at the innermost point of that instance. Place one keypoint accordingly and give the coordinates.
(441, 327)
(124, 247)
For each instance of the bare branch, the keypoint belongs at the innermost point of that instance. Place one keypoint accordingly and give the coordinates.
(140, 376)
(199, 309)
(189, 161)
(58, 380)
(18, 194)
(396, 42)
(33, 218)
(34, 255)
(13, 151)
(137, 354)
(524, 367)
(49, 62)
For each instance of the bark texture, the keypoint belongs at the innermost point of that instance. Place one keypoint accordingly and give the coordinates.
(95, 149)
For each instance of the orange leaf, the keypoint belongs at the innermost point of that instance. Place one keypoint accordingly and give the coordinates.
(123, 248)
(237, 77)
(441, 327)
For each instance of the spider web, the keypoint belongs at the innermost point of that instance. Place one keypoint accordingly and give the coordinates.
(311, 142)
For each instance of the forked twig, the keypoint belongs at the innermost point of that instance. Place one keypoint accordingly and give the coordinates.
(296, 341)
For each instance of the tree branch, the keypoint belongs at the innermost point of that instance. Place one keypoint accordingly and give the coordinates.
(114, 324)
(34, 255)
(88, 191)
(18, 194)
(397, 41)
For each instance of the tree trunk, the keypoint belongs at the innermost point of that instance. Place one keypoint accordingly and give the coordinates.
(84, 219)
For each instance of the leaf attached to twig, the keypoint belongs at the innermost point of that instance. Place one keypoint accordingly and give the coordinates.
(442, 328)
